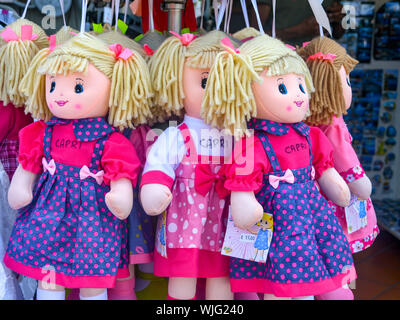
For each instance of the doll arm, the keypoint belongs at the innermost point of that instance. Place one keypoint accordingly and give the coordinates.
(21, 187)
(246, 210)
(159, 172)
(244, 178)
(334, 187)
(346, 160)
(121, 166)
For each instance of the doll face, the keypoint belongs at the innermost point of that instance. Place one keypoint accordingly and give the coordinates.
(194, 84)
(78, 95)
(346, 87)
(281, 99)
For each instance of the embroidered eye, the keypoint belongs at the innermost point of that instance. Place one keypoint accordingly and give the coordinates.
(204, 82)
(282, 88)
(301, 88)
(348, 82)
(52, 86)
(78, 88)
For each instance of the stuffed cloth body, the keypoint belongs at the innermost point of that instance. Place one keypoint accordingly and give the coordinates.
(195, 225)
(67, 228)
(347, 164)
(309, 253)
(12, 120)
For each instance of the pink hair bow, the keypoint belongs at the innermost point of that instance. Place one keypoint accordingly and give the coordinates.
(287, 177)
(290, 47)
(49, 166)
(52, 41)
(228, 44)
(185, 38)
(149, 51)
(121, 52)
(85, 172)
(26, 34)
(321, 56)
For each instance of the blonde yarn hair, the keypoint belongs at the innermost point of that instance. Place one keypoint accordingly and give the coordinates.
(166, 68)
(229, 101)
(327, 100)
(130, 95)
(246, 33)
(64, 34)
(15, 58)
(112, 37)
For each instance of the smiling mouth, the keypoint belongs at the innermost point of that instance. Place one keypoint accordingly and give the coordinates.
(62, 103)
(298, 103)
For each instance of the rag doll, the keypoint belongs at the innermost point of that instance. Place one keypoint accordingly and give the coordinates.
(140, 227)
(183, 172)
(260, 92)
(330, 66)
(19, 42)
(71, 230)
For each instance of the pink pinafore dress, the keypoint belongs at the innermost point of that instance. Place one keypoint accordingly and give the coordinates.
(191, 232)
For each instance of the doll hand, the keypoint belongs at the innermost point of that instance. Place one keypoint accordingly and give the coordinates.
(334, 187)
(120, 198)
(155, 198)
(21, 186)
(362, 188)
(246, 210)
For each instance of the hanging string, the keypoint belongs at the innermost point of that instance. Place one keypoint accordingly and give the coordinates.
(116, 14)
(63, 13)
(245, 14)
(203, 4)
(321, 30)
(320, 16)
(273, 19)
(260, 27)
(25, 9)
(83, 18)
(126, 10)
(151, 18)
(229, 15)
(221, 12)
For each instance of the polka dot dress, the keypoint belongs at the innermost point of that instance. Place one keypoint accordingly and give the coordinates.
(67, 229)
(195, 226)
(309, 253)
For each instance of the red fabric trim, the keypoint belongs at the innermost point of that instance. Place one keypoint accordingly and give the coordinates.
(157, 177)
(62, 279)
(140, 258)
(192, 263)
(293, 289)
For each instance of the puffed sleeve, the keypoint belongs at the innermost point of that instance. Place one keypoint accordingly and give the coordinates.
(119, 159)
(343, 154)
(248, 165)
(322, 151)
(164, 157)
(31, 147)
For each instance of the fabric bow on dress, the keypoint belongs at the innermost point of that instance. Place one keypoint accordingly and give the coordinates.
(204, 179)
(287, 177)
(85, 172)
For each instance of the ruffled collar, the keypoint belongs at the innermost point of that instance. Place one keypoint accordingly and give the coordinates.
(88, 129)
(277, 128)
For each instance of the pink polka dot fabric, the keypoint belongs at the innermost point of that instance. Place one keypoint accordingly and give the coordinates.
(195, 228)
(68, 228)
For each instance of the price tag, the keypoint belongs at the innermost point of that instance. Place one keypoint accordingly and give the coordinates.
(252, 244)
(356, 214)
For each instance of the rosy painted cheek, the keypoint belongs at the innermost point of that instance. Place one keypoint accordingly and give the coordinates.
(78, 106)
(50, 106)
(288, 108)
